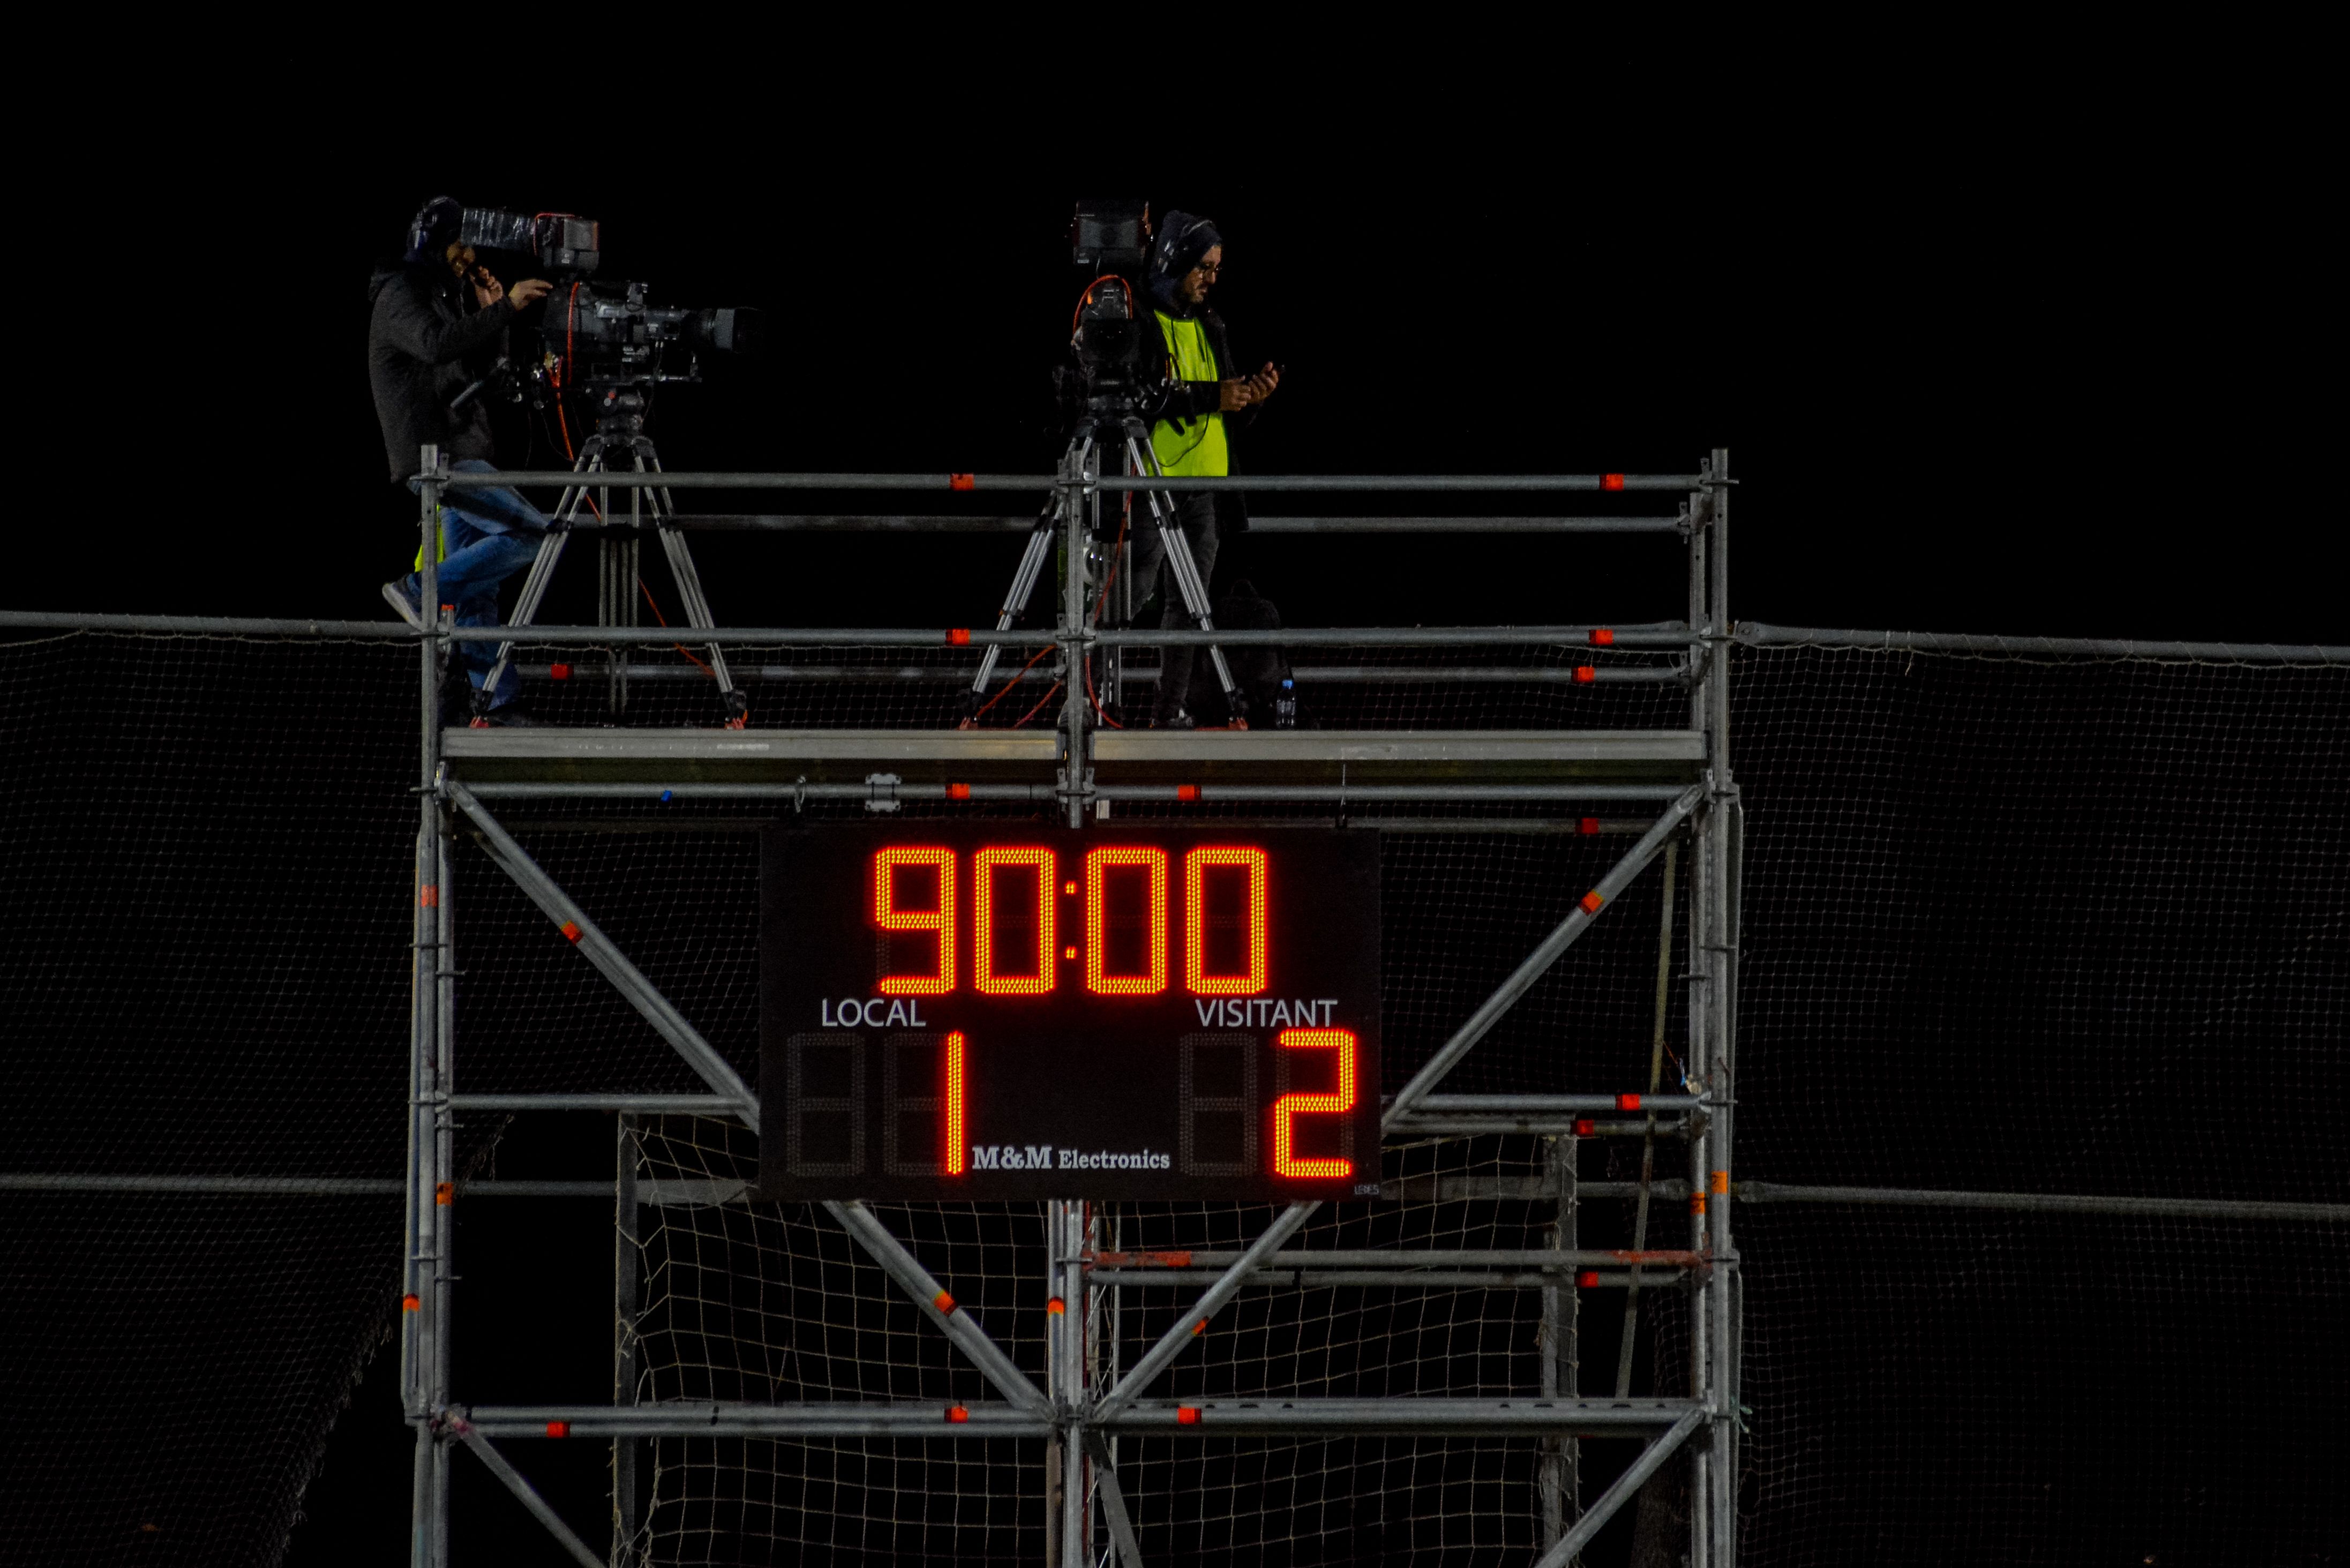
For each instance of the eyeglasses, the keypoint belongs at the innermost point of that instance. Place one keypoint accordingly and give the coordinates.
(1210, 268)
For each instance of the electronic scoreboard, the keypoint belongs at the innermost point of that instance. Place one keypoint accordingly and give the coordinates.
(1003, 1011)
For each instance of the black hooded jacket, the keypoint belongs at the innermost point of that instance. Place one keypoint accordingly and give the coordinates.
(424, 349)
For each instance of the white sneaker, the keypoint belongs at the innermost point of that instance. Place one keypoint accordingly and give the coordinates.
(397, 598)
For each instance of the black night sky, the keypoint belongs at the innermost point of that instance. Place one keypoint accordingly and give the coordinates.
(1982, 363)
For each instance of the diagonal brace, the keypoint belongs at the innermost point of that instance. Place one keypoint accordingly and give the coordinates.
(901, 1265)
(1578, 921)
(1171, 1343)
(598, 948)
(869, 1232)
(1212, 1301)
(522, 1488)
(1620, 1492)
(1113, 1496)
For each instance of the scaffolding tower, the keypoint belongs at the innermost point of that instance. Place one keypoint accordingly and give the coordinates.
(1677, 779)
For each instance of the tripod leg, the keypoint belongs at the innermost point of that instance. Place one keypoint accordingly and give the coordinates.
(697, 606)
(1188, 582)
(542, 572)
(1023, 587)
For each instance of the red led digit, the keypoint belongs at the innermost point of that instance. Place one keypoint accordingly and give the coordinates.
(1195, 917)
(958, 1147)
(983, 974)
(1286, 1109)
(1153, 980)
(891, 917)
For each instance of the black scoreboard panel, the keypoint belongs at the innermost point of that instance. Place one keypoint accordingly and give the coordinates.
(1007, 1011)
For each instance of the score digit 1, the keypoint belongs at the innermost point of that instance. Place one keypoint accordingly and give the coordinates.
(958, 1150)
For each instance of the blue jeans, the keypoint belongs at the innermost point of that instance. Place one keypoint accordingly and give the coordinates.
(486, 536)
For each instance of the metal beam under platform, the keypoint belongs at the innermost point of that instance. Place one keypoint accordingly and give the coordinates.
(1660, 757)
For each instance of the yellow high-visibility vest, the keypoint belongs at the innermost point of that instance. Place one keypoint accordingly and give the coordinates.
(1197, 450)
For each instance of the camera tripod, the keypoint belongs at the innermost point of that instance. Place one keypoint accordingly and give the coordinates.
(619, 432)
(1137, 457)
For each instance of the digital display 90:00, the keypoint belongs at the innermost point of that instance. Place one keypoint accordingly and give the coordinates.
(993, 1010)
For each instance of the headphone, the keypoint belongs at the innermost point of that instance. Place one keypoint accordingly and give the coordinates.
(436, 223)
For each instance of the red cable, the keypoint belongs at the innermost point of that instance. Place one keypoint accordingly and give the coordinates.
(1008, 685)
(1032, 713)
(664, 622)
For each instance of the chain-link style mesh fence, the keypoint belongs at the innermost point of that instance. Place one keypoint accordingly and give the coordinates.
(2012, 925)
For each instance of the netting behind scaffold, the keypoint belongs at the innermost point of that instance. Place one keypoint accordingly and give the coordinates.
(2060, 925)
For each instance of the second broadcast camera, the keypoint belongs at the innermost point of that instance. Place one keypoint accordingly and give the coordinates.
(606, 330)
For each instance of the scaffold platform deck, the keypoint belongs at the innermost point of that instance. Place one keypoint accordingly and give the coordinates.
(1370, 757)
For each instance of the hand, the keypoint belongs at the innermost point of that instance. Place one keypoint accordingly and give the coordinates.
(1247, 390)
(529, 291)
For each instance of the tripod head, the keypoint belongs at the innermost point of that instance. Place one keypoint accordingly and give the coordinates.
(622, 403)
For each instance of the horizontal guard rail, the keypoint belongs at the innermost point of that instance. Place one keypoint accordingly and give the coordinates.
(951, 522)
(1653, 636)
(1410, 1188)
(1665, 635)
(1424, 483)
(990, 1420)
(1758, 634)
(1748, 634)
(1304, 674)
(1338, 793)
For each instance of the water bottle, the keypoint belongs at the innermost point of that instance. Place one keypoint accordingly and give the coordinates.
(1284, 707)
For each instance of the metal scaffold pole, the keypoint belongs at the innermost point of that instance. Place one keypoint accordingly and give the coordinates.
(1561, 1346)
(1721, 828)
(1069, 1531)
(423, 1301)
(1080, 499)
(444, 1154)
(629, 1219)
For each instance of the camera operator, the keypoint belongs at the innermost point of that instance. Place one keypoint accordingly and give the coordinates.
(1189, 436)
(439, 329)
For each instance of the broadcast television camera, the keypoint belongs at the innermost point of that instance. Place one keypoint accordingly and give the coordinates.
(1116, 362)
(604, 332)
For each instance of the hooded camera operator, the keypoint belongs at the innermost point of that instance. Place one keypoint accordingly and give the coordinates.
(439, 327)
(1189, 435)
